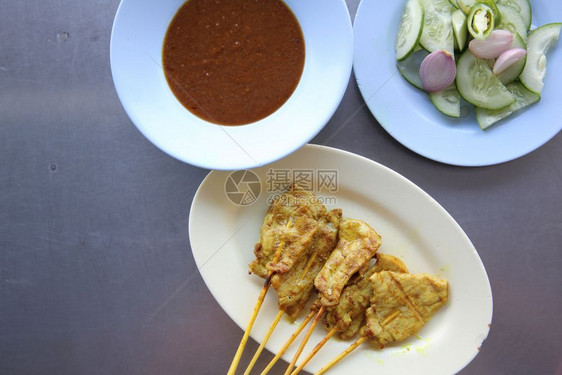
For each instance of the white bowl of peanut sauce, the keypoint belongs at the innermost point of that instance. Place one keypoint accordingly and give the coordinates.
(231, 84)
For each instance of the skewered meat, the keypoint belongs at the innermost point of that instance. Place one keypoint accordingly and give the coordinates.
(295, 287)
(401, 305)
(288, 228)
(357, 244)
(356, 298)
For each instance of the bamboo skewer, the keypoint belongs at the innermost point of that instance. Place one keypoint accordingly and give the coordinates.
(274, 324)
(305, 340)
(281, 234)
(342, 355)
(238, 355)
(309, 264)
(264, 341)
(288, 343)
(316, 349)
(266, 285)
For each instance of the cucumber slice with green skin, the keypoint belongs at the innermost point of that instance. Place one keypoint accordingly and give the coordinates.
(478, 85)
(523, 7)
(514, 71)
(512, 21)
(523, 98)
(410, 29)
(410, 68)
(539, 42)
(458, 20)
(454, 3)
(447, 101)
(437, 31)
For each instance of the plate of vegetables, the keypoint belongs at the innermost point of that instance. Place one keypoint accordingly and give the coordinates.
(463, 82)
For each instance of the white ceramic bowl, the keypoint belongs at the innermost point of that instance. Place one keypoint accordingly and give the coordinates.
(136, 64)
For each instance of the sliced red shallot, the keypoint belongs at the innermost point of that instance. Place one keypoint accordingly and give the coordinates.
(438, 71)
(497, 43)
(508, 58)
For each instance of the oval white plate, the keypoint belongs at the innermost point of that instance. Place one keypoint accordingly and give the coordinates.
(136, 59)
(413, 227)
(408, 115)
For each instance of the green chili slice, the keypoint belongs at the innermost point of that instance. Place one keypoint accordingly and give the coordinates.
(480, 21)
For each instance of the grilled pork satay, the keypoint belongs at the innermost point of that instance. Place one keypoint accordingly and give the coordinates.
(305, 250)
(295, 287)
(286, 235)
(349, 313)
(313, 237)
(346, 317)
(290, 224)
(401, 305)
(357, 244)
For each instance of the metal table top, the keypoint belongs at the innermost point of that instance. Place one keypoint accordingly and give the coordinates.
(97, 276)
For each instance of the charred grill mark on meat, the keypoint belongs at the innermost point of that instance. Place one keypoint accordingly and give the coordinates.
(357, 244)
(349, 313)
(290, 222)
(307, 234)
(303, 246)
(295, 287)
(401, 305)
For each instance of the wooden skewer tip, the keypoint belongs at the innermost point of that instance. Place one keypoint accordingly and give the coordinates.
(316, 349)
(305, 340)
(288, 343)
(264, 341)
(342, 355)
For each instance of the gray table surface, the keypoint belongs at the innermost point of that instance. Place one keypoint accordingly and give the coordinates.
(96, 270)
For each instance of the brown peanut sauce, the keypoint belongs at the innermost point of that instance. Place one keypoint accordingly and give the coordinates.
(233, 62)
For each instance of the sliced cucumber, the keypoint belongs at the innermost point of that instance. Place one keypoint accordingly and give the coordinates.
(410, 68)
(410, 29)
(513, 72)
(478, 85)
(454, 3)
(512, 21)
(437, 31)
(523, 7)
(523, 98)
(540, 41)
(458, 20)
(447, 101)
